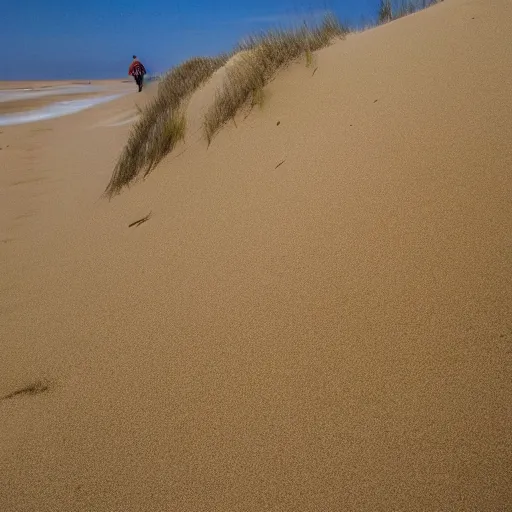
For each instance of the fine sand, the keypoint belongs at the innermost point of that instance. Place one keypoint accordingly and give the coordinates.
(317, 315)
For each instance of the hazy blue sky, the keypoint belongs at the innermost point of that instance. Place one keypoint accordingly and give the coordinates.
(95, 38)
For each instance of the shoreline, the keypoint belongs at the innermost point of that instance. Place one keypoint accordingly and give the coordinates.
(42, 101)
(36, 84)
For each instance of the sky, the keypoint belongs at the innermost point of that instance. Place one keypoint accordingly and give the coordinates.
(95, 39)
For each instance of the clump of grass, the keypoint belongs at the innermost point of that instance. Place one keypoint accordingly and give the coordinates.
(161, 124)
(389, 10)
(385, 11)
(258, 60)
(406, 7)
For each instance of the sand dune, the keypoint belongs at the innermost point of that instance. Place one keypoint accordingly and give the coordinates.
(331, 333)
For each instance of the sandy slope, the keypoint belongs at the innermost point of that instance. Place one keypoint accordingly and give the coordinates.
(331, 334)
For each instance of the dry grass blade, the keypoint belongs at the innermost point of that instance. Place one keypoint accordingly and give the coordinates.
(137, 223)
(35, 388)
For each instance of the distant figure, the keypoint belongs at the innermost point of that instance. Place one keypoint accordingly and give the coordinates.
(137, 70)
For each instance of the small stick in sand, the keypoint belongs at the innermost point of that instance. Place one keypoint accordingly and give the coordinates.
(314, 71)
(35, 388)
(137, 223)
(279, 164)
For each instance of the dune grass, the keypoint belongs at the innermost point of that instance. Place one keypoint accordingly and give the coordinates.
(391, 10)
(259, 58)
(385, 11)
(161, 124)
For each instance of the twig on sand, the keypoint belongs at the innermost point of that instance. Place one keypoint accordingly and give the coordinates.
(314, 71)
(137, 223)
(35, 388)
(248, 113)
(181, 153)
(279, 164)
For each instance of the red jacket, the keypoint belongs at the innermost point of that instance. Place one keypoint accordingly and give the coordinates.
(136, 68)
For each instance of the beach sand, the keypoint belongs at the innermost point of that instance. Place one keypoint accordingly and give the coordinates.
(331, 333)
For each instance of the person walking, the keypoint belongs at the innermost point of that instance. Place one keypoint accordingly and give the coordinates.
(137, 70)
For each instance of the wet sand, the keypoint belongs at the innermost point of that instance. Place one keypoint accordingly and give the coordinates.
(30, 104)
(11, 107)
(37, 84)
